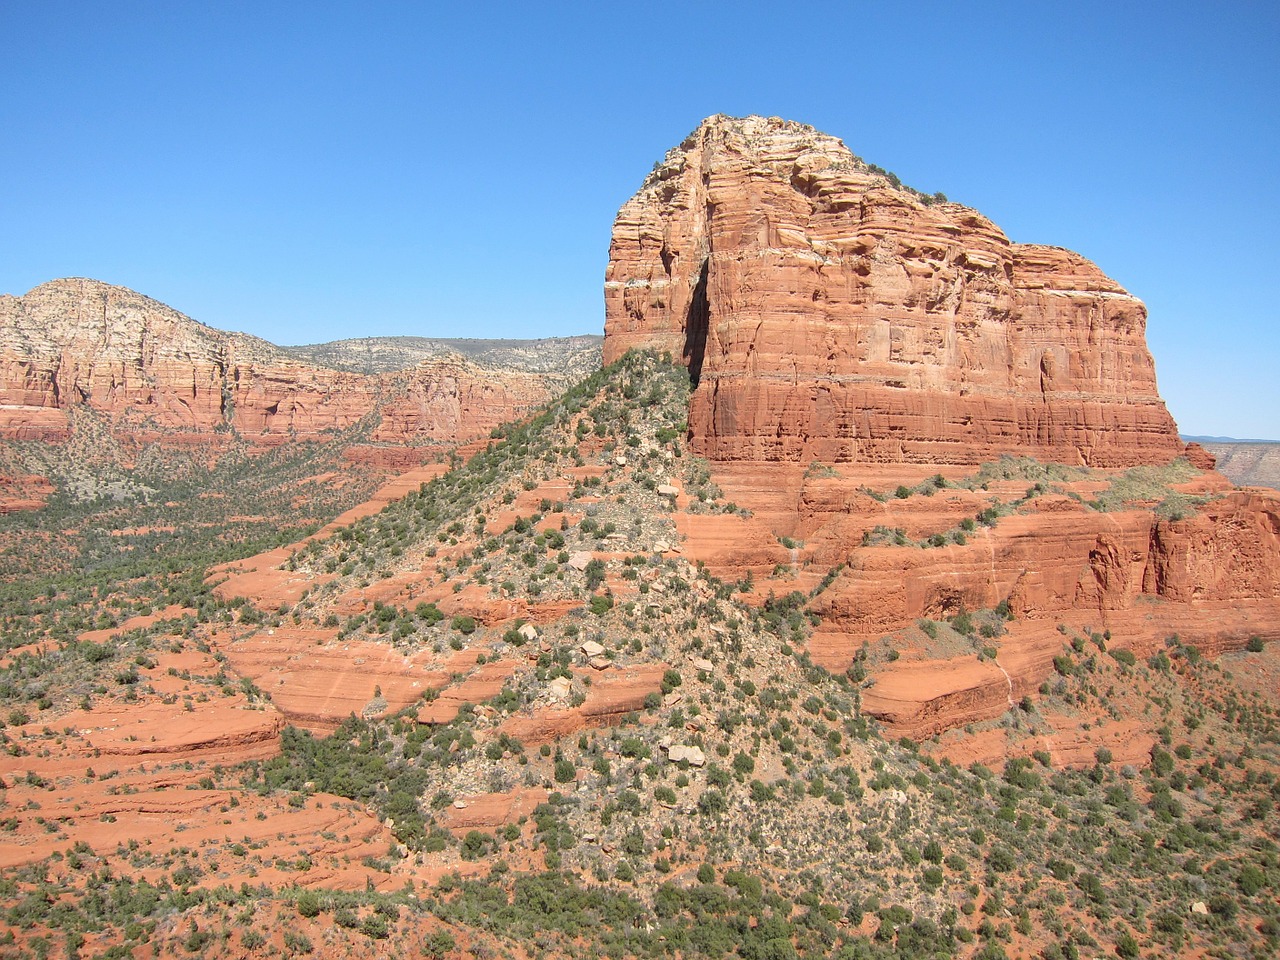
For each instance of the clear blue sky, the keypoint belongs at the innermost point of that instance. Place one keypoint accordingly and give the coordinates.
(310, 171)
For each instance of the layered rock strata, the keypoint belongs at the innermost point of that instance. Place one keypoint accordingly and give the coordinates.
(153, 371)
(1207, 574)
(827, 314)
(847, 337)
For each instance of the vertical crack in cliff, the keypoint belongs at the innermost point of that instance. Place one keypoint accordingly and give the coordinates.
(226, 399)
(695, 327)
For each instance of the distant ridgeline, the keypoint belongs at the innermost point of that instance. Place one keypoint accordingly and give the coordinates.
(572, 357)
(1246, 462)
(158, 376)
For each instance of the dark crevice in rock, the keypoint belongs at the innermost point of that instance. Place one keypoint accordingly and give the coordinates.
(695, 327)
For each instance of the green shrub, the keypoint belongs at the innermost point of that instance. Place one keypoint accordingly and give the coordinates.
(95, 652)
(748, 887)
(308, 903)
(634, 748)
(1001, 859)
(1251, 880)
(712, 803)
(1092, 887)
(375, 927)
(475, 844)
(1123, 656)
(1127, 947)
(1167, 923)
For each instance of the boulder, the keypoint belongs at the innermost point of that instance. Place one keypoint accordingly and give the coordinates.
(560, 688)
(692, 755)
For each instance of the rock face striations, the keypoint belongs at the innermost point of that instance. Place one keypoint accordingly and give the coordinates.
(160, 375)
(827, 314)
(857, 350)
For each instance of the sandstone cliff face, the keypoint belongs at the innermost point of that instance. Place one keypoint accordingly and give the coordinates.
(154, 371)
(825, 314)
(1207, 574)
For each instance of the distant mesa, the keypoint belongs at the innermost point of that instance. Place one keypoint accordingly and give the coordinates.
(828, 313)
(1246, 462)
(159, 376)
(1202, 439)
(572, 357)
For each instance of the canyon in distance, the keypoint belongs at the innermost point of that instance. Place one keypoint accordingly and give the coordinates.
(853, 595)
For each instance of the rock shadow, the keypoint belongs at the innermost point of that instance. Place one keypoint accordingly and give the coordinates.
(695, 327)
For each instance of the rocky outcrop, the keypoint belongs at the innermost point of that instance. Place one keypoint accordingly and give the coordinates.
(608, 700)
(875, 567)
(848, 338)
(895, 560)
(153, 371)
(1229, 550)
(827, 314)
(23, 491)
(1048, 563)
(488, 811)
(156, 756)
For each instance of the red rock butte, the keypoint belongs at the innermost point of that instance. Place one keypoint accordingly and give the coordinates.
(846, 334)
(826, 313)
